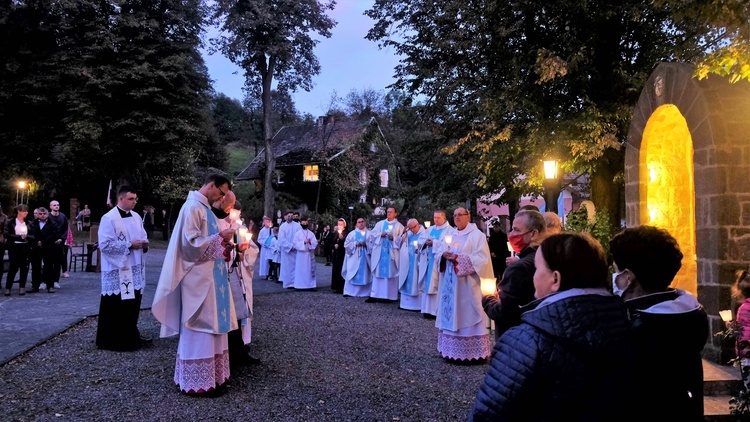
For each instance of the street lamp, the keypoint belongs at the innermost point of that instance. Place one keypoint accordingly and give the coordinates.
(21, 185)
(551, 184)
(351, 208)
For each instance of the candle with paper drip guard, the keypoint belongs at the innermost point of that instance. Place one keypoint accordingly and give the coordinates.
(416, 245)
(427, 224)
(248, 237)
(21, 230)
(487, 285)
(242, 232)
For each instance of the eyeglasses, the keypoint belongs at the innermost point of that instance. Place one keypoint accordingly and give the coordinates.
(221, 191)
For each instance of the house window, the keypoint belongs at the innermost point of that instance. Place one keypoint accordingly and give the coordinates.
(279, 177)
(363, 177)
(310, 173)
(383, 178)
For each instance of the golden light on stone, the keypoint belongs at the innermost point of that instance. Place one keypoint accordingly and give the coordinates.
(667, 187)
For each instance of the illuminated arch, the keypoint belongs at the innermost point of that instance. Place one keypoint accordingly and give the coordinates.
(668, 191)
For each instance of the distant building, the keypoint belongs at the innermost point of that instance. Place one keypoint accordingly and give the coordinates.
(353, 152)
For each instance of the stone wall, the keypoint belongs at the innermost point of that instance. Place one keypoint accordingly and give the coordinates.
(718, 117)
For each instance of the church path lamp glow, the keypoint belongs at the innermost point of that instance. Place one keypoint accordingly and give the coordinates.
(551, 185)
(21, 186)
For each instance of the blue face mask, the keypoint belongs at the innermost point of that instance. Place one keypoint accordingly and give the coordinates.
(616, 290)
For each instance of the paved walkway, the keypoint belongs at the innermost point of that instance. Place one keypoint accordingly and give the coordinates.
(27, 321)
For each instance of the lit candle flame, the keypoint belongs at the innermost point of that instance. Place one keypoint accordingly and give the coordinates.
(427, 224)
(22, 230)
(416, 244)
(488, 286)
(448, 239)
(248, 237)
(242, 232)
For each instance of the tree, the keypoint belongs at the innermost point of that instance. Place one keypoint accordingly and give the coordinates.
(513, 83)
(98, 90)
(271, 39)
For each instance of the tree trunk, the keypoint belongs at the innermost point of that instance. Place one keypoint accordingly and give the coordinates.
(605, 193)
(269, 194)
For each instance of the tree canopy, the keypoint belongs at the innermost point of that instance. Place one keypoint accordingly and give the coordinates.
(509, 84)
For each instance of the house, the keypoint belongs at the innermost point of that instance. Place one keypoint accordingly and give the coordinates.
(328, 165)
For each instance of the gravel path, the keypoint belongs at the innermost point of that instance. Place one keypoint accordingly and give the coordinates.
(324, 358)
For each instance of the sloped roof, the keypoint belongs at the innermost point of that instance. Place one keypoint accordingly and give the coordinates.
(309, 144)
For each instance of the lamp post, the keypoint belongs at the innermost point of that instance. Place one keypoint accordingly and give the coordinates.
(551, 184)
(351, 208)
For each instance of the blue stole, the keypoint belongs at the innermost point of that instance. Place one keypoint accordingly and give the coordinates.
(434, 234)
(221, 282)
(409, 286)
(384, 261)
(268, 240)
(360, 278)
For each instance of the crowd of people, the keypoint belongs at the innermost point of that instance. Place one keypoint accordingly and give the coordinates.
(38, 245)
(566, 334)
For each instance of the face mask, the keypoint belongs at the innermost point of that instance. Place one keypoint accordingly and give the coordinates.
(517, 242)
(304, 226)
(616, 290)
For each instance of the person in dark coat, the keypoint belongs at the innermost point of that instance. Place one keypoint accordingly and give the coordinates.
(498, 243)
(336, 239)
(668, 324)
(570, 358)
(516, 287)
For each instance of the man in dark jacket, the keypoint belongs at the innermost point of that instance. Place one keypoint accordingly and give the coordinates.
(498, 243)
(516, 288)
(668, 325)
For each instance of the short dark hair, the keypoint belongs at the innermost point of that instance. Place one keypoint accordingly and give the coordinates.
(124, 190)
(578, 257)
(217, 179)
(536, 219)
(650, 253)
(22, 207)
(529, 207)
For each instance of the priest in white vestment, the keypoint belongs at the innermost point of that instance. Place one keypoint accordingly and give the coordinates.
(462, 325)
(412, 265)
(435, 245)
(193, 297)
(356, 270)
(122, 242)
(305, 243)
(384, 260)
(288, 254)
(240, 262)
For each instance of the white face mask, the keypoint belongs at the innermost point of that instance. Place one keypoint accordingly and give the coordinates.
(616, 290)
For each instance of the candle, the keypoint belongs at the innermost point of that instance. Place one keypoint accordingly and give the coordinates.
(234, 214)
(487, 285)
(726, 315)
(242, 232)
(427, 224)
(510, 248)
(248, 237)
(448, 239)
(21, 230)
(416, 244)
(340, 231)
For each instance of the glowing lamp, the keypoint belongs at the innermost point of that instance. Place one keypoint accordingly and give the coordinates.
(487, 285)
(21, 185)
(550, 169)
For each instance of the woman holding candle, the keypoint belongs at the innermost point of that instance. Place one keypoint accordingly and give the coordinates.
(338, 238)
(18, 240)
